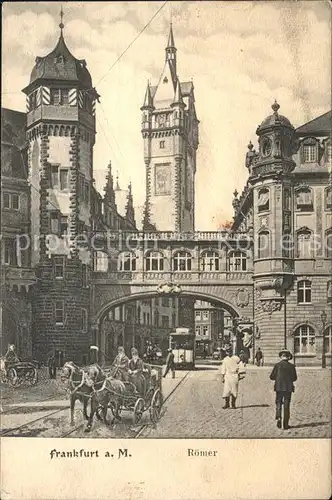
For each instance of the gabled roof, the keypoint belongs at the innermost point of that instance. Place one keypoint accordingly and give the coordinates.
(322, 125)
(13, 125)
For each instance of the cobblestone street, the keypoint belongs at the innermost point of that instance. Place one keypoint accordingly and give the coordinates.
(193, 409)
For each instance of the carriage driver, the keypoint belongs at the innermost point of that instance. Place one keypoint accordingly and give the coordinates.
(120, 365)
(11, 356)
(135, 371)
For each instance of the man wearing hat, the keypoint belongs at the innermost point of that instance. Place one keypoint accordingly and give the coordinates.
(283, 374)
(170, 363)
(135, 371)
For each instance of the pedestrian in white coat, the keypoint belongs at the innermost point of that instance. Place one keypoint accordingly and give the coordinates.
(232, 371)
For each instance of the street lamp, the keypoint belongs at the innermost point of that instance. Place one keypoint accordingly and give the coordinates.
(323, 317)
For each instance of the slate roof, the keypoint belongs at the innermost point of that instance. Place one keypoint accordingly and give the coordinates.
(322, 125)
(60, 64)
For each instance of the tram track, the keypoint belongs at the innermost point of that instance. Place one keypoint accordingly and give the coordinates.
(27, 424)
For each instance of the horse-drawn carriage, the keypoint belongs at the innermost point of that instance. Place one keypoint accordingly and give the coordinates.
(106, 392)
(18, 372)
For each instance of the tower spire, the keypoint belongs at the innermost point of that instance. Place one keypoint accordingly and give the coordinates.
(61, 25)
(171, 54)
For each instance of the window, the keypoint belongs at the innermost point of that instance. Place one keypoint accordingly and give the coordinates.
(304, 244)
(10, 252)
(63, 225)
(11, 201)
(64, 179)
(162, 144)
(209, 261)
(237, 261)
(328, 198)
(54, 223)
(328, 244)
(304, 292)
(197, 330)
(304, 200)
(54, 176)
(59, 96)
(263, 200)
(205, 315)
(59, 267)
(304, 340)
(309, 153)
(154, 261)
(205, 329)
(100, 263)
(165, 321)
(85, 276)
(84, 320)
(328, 340)
(182, 261)
(59, 312)
(127, 261)
(198, 315)
(165, 302)
(263, 245)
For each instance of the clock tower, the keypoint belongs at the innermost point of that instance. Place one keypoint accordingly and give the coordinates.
(170, 135)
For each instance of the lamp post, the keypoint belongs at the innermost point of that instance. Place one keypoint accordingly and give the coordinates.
(323, 318)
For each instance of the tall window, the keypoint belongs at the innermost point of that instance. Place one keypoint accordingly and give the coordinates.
(263, 200)
(11, 201)
(59, 267)
(64, 178)
(59, 308)
(127, 261)
(328, 340)
(263, 245)
(59, 96)
(198, 315)
(304, 292)
(84, 320)
(309, 153)
(63, 225)
(10, 254)
(304, 340)
(205, 329)
(100, 261)
(205, 315)
(197, 330)
(328, 244)
(209, 261)
(304, 200)
(59, 177)
(237, 261)
(304, 244)
(154, 261)
(182, 261)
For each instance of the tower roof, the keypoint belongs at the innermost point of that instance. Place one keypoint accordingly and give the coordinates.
(275, 118)
(170, 43)
(148, 101)
(178, 95)
(61, 65)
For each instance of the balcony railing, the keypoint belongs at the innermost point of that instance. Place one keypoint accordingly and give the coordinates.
(148, 277)
(171, 236)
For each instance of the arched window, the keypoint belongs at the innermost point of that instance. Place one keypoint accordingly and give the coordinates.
(328, 244)
(209, 261)
(100, 262)
(304, 244)
(127, 261)
(237, 261)
(182, 261)
(263, 245)
(304, 292)
(328, 198)
(304, 200)
(328, 340)
(154, 261)
(263, 200)
(304, 340)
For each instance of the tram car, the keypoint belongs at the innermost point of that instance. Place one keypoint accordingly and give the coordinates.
(182, 342)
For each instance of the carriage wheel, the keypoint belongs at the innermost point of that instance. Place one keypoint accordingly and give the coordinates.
(138, 410)
(155, 407)
(34, 377)
(12, 377)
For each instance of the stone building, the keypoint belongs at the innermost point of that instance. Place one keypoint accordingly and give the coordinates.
(209, 320)
(286, 205)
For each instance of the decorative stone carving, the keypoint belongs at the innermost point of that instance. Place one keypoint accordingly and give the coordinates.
(270, 306)
(242, 297)
(264, 222)
(168, 289)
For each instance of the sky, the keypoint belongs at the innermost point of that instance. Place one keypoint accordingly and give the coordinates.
(241, 57)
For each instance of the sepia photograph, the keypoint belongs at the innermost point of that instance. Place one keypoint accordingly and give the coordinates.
(166, 222)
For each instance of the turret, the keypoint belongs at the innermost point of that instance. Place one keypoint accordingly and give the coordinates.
(130, 212)
(171, 53)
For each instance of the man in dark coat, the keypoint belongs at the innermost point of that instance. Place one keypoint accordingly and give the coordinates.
(135, 371)
(259, 357)
(284, 374)
(170, 363)
(52, 366)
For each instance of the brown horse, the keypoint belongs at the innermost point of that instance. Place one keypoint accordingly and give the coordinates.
(110, 394)
(80, 385)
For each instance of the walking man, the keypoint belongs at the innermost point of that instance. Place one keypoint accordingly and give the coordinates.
(232, 371)
(283, 374)
(259, 357)
(170, 363)
(52, 366)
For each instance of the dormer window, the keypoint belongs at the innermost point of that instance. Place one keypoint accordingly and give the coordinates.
(309, 151)
(59, 96)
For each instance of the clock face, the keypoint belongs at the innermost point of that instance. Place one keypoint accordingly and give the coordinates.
(267, 147)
